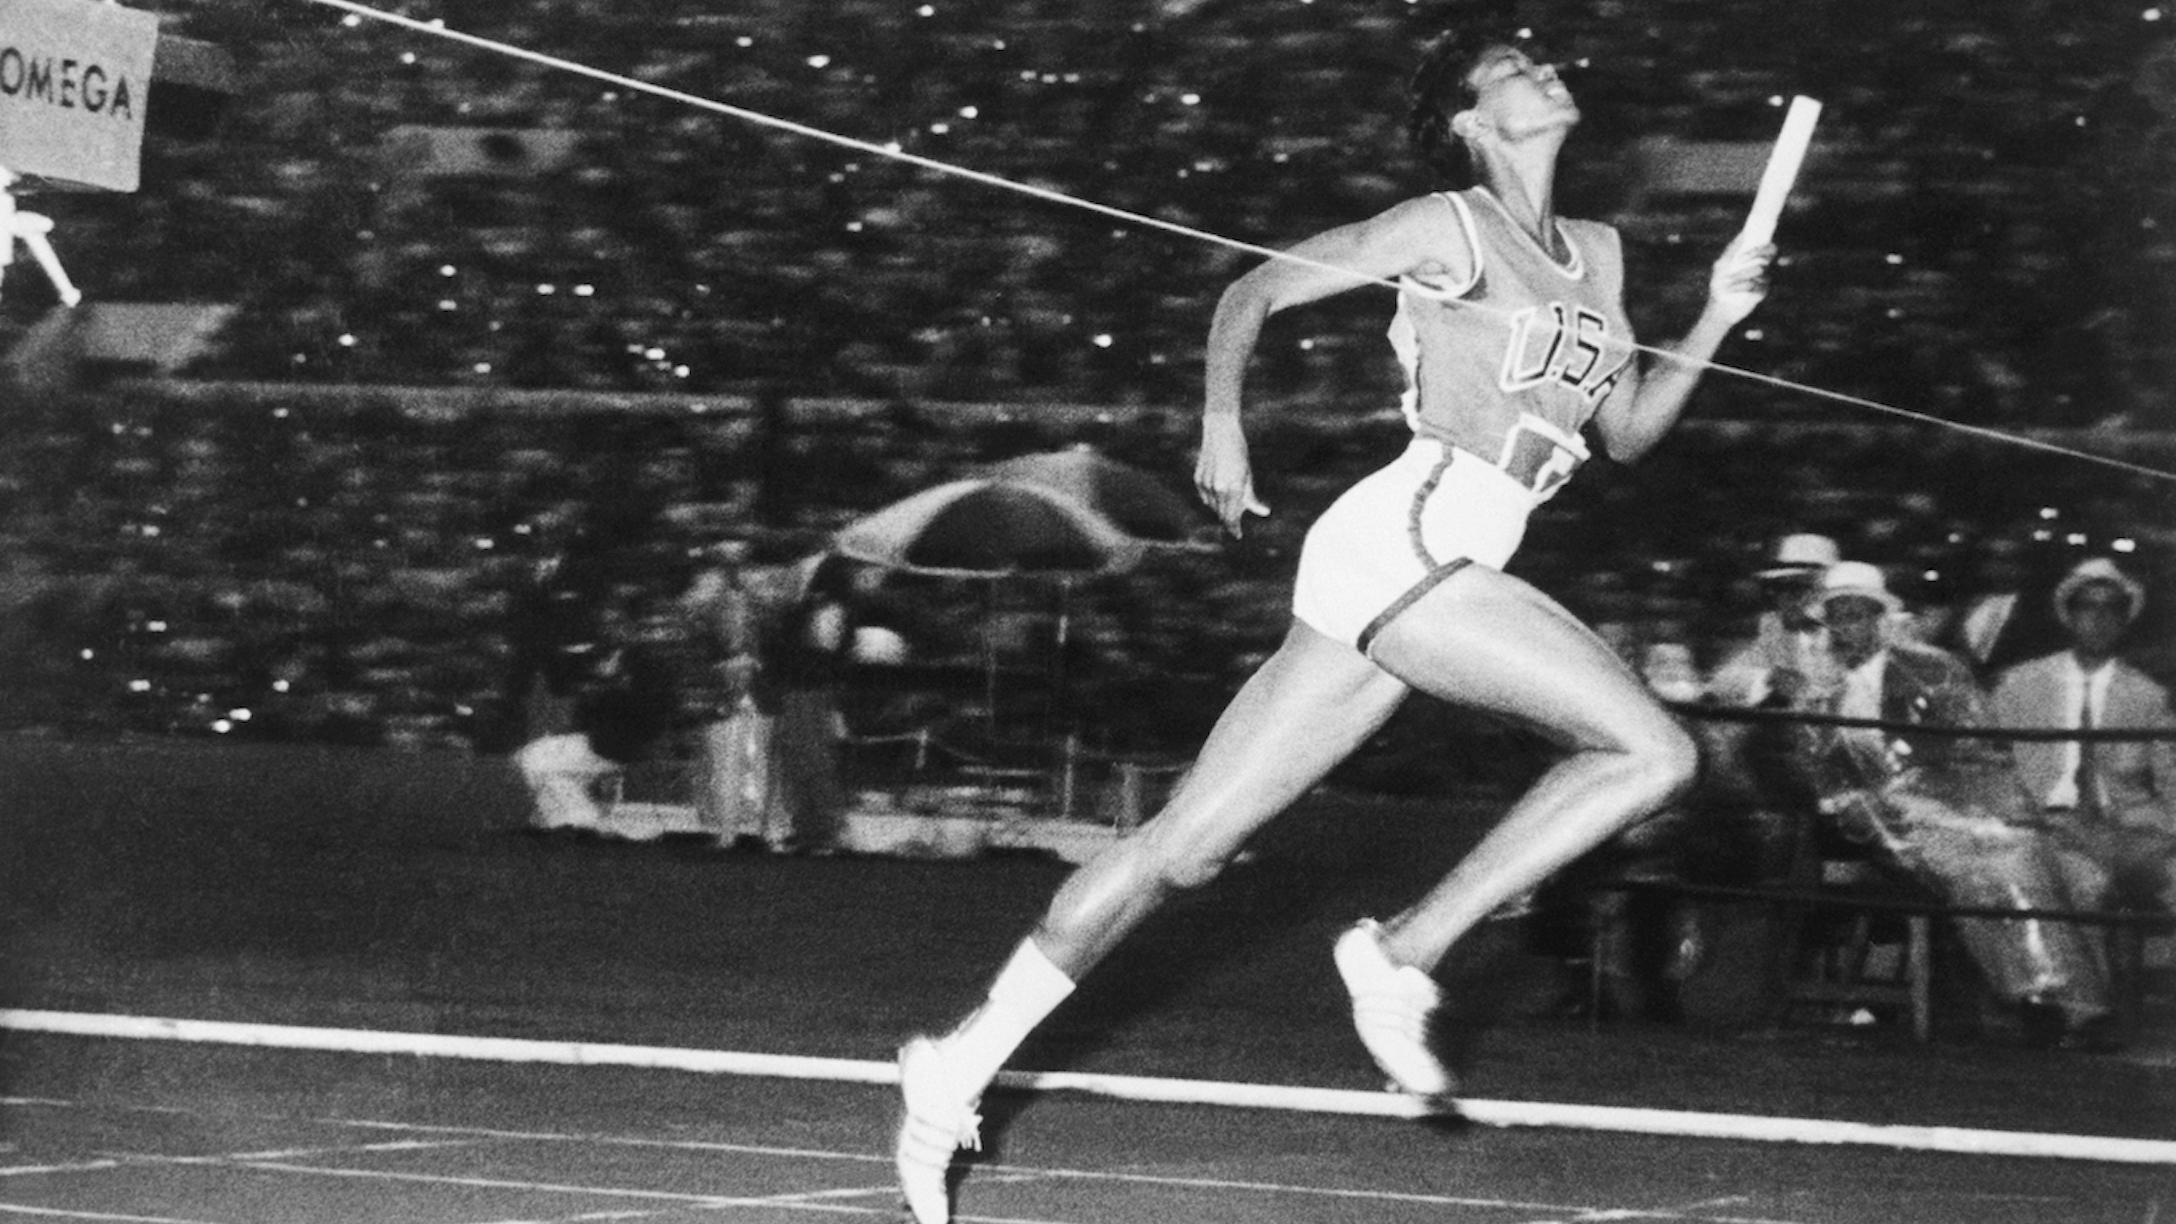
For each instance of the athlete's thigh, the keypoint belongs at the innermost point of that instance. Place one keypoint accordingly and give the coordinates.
(1490, 641)
(1296, 718)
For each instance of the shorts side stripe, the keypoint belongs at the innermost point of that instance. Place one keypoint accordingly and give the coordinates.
(1413, 513)
(1412, 596)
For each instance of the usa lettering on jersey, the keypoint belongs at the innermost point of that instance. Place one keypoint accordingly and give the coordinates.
(1554, 343)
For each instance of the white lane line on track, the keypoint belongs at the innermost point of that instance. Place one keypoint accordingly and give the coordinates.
(790, 1202)
(53, 1103)
(986, 1174)
(57, 1213)
(989, 1174)
(445, 1179)
(693, 1145)
(338, 1149)
(1402, 1198)
(82, 1166)
(581, 1218)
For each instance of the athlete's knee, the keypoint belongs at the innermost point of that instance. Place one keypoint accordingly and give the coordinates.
(1178, 863)
(1666, 758)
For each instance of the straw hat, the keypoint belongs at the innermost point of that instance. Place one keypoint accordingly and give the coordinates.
(1803, 554)
(2098, 570)
(1857, 579)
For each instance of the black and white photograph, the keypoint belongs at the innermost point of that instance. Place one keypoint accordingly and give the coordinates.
(1016, 612)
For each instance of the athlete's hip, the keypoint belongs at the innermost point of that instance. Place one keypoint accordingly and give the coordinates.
(1432, 507)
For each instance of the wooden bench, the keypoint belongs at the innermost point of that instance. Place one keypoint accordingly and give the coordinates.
(2128, 931)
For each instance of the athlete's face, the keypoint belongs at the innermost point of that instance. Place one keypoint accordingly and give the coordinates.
(1517, 94)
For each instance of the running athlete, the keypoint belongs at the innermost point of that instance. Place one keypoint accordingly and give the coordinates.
(1512, 332)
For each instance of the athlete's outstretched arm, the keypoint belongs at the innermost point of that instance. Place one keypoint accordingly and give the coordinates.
(1631, 425)
(1404, 238)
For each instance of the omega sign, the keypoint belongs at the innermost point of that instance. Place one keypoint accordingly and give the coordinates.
(74, 75)
(66, 83)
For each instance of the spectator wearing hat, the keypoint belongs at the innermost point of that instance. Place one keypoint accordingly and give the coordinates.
(1855, 605)
(1749, 782)
(1786, 652)
(1949, 811)
(2113, 803)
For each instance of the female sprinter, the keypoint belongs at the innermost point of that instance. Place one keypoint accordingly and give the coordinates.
(1513, 336)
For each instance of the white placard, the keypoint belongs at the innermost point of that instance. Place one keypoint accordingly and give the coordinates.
(75, 77)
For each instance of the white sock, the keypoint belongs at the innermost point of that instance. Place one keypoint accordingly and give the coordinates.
(1026, 990)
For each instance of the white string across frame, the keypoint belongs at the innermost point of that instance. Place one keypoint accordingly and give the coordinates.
(438, 29)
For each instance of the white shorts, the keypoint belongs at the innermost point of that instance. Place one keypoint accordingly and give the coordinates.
(1393, 536)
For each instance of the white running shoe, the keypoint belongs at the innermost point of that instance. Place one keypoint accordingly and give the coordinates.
(936, 1120)
(1391, 1006)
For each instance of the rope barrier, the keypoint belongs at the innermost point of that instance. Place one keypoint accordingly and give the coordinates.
(1079, 755)
(1707, 712)
(438, 29)
(2143, 919)
(1700, 711)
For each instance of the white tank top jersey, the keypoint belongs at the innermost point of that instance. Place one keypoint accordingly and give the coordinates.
(1522, 354)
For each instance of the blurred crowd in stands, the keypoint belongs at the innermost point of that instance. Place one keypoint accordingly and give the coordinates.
(346, 564)
(646, 325)
(1983, 230)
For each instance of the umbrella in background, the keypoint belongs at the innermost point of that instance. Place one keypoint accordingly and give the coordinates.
(1064, 515)
(1142, 506)
(989, 528)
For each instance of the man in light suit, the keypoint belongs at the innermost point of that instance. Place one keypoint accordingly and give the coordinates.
(1946, 809)
(2113, 803)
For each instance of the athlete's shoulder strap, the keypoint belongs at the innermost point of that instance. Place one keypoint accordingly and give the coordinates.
(1462, 213)
(1603, 249)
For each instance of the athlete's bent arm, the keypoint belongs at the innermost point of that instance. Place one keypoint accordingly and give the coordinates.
(1399, 240)
(1629, 426)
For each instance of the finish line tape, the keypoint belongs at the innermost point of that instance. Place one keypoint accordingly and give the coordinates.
(1668, 1122)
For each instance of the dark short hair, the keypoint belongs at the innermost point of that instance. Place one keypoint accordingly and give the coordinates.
(1439, 90)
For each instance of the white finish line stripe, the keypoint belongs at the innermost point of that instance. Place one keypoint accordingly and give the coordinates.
(1678, 1123)
(439, 1045)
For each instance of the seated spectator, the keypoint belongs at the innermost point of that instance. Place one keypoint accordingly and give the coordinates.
(625, 703)
(2007, 614)
(2113, 804)
(1948, 811)
(1786, 665)
(1786, 651)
